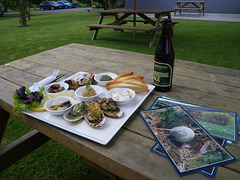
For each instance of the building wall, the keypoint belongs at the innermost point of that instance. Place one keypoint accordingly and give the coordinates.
(212, 6)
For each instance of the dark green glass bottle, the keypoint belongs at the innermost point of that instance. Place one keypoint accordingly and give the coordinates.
(164, 59)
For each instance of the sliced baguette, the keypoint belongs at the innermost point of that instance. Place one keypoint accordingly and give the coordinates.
(136, 88)
(128, 80)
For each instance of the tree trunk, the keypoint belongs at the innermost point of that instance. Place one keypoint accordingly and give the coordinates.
(23, 14)
(28, 11)
(113, 3)
(105, 5)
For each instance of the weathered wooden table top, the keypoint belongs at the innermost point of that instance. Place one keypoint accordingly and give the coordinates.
(128, 154)
(137, 11)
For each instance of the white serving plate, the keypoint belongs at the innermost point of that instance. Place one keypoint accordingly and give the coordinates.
(100, 135)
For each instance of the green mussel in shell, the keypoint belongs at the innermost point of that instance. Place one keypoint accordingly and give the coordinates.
(75, 113)
(109, 107)
(94, 115)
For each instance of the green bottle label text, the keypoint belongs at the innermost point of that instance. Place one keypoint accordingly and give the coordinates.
(162, 74)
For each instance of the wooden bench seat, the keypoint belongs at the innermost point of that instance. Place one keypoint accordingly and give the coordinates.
(117, 27)
(131, 20)
(143, 21)
(188, 8)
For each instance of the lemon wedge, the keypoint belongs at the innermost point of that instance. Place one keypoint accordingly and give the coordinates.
(41, 108)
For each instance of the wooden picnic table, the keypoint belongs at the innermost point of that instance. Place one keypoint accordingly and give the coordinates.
(121, 16)
(128, 154)
(190, 5)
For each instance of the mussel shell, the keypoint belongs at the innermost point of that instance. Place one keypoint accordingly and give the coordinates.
(68, 116)
(96, 122)
(112, 109)
(118, 113)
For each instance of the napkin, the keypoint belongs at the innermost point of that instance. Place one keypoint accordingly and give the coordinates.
(44, 82)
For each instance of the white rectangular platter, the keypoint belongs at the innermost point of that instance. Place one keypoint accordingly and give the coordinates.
(100, 135)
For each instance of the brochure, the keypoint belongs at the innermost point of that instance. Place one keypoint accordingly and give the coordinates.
(188, 146)
(210, 172)
(219, 123)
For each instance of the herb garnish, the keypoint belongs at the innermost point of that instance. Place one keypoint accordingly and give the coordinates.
(24, 98)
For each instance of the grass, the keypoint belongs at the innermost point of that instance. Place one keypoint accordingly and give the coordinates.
(208, 42)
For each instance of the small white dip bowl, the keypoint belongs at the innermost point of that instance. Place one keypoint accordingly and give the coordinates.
(60, 112)
(78, 93)
(62, 84)
(103, 83)
(115, 92)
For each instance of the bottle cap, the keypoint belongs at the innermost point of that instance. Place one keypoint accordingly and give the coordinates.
(167, 22)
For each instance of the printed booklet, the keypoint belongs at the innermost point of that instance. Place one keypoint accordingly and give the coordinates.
(188, 146)
(219, 123)
(210, 172)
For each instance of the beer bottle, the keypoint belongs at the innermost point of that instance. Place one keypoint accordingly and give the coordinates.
(164, 59)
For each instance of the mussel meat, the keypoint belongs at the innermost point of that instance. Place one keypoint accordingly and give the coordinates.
(75, 113)
(60, 105)
(76, 83)
(109, 107)
(94, 115)
(72, 84)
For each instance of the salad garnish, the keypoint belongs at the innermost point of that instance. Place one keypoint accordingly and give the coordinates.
(24, 98)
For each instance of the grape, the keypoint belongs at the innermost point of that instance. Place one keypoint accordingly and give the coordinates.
(30, 96)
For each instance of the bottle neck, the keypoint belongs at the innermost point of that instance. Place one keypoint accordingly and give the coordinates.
(166, 31)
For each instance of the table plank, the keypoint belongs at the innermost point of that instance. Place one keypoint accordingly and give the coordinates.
(223, 80)
(137, 11)
(94, 57)
(183, 76)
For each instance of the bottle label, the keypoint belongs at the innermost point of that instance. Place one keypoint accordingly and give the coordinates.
(162, 74)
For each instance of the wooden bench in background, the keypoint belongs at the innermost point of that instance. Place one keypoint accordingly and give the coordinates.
(119, 27)
(189, 5)
(121, 16)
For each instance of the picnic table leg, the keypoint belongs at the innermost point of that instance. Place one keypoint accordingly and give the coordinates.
(117, 19)
(134, 24)
(3, 122)
(155, 31)
(203, 8)
(96, 31)
(19, 148)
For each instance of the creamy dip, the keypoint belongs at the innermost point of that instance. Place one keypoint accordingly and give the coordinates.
(125, 95)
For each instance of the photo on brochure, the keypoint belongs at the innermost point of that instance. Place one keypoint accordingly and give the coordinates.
(219, 123)
(188, 146)
(210, 172)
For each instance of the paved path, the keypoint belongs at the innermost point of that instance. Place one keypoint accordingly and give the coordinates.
(191, 16)
(208, 17)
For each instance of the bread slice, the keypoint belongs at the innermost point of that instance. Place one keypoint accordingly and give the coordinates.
(128, 80)
(136, 88)
(123, 75)
(134, 79)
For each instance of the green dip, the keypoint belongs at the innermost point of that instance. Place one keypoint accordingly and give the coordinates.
(105, 78)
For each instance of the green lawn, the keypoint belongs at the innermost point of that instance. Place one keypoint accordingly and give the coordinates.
(214, 43)
(208, 42)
